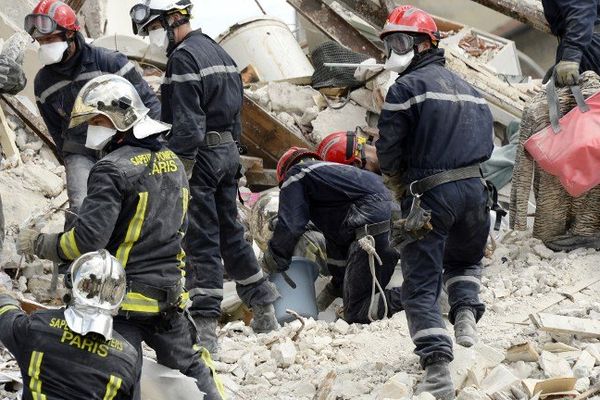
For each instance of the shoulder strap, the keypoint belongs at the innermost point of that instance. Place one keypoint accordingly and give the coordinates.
(554, 103)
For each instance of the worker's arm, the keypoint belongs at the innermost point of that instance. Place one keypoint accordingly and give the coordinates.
(14, 323)
(123, 67)
(394, 125)
(579, 16)
(187, 116)
(293, 216)
(98, 213)
(51, 117)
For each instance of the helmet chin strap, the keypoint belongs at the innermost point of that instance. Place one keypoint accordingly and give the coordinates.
(171, 30)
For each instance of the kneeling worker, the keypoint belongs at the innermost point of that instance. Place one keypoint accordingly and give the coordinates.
(352, 208)
(74, 353)
(135, 208)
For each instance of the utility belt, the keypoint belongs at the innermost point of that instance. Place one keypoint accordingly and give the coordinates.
(151, 300)
(214, 138)
(418, 222)
(372, 229)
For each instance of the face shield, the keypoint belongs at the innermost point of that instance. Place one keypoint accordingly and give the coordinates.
(98, 287)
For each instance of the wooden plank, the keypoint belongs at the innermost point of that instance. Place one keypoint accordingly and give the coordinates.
(265, 136)
(7, 141)
(559, 324)
(335, 27)
(34, 122)
(266, 177)
(529, 12)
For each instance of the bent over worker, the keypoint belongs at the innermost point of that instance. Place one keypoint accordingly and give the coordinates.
(202, 97)
(348, 205)
(435, 130)
(69, 63)
(135, 208)
(75, 353)
(576, 24)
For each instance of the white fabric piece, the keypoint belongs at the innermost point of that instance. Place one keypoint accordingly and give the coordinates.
(148, 127)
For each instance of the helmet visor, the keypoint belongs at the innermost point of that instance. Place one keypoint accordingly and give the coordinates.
(40, 24)
(400, 43)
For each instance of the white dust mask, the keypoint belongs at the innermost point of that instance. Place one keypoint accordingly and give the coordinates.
(158, 38)
(52, 53)
(398, 63)
(98, 136)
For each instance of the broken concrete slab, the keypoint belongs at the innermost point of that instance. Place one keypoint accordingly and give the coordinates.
(554, 366)
(291, 98)
(583, 366)
(522, 352)
(477, 358)
(549, 386)
(284, 353)
(399, 386)
(498, 379)
(330, 120)
(50, 184)
(558, 347)
(341, 326)
(471, 393)
(558, 324)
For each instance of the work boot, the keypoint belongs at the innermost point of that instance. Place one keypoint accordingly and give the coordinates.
(264, 319)
(327, 296)
(465, 327)
(437, 381)
(207, 334)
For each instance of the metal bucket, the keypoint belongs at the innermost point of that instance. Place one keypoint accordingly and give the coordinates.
(268, 44)
(303, 298)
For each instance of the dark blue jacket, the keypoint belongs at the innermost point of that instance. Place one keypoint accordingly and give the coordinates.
(57, 86)
(573, 21)
(336, 198)
(202, 92)
(432, 120)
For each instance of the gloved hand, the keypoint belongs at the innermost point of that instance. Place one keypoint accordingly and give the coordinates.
(12, 77)
(26, 241)
(567, 73)
(364, 73)
(269, 264)
(264, 320)
(188, 164)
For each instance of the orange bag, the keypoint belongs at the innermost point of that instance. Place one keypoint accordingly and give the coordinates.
(570, 147)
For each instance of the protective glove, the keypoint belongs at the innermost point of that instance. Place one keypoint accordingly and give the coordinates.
(12, 77)
(567, 73)
(364, 73)
(188, 165)
(269, 264)
(264, 320)
(26, 241)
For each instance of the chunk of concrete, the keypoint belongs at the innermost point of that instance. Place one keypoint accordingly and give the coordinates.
(478, 358)
(399, 386)
(291, 98)
(50, 184)
(284, 353)
(498, 379)
(346, 118)
(554, 366)
(471, 393)
(341, 326)
(583, 366)
(424, 396)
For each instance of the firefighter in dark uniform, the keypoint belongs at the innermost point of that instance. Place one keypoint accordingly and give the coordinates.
(435, 130)
(576, 24)
(202, 98)
(69, 63)
(74, 353)
(136, 208)
(352, 208)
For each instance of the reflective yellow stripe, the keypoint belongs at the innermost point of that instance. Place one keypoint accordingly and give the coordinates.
(68, 245)
(185, 194)
(35, 383)
(134, 231)
(184, 300)
(181, 259)
(206, 358)
(112, 387)
(8, 308)
(139, 303)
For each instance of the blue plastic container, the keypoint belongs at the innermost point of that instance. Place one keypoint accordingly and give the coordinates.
(303, 298)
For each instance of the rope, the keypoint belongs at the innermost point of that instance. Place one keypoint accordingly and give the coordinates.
(367, 243)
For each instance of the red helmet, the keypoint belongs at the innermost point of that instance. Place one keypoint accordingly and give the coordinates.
(50, 15)
(409, 19)
(290, 158)
(340, 147)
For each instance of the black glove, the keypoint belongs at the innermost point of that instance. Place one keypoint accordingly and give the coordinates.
(188, 165)
(12, 77)
(269, 264)
(567, 73)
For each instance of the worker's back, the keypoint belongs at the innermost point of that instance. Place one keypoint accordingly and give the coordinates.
(57, 363)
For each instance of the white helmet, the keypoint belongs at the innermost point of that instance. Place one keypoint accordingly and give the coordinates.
(143, 13)
(118, 100)
(98, 285)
